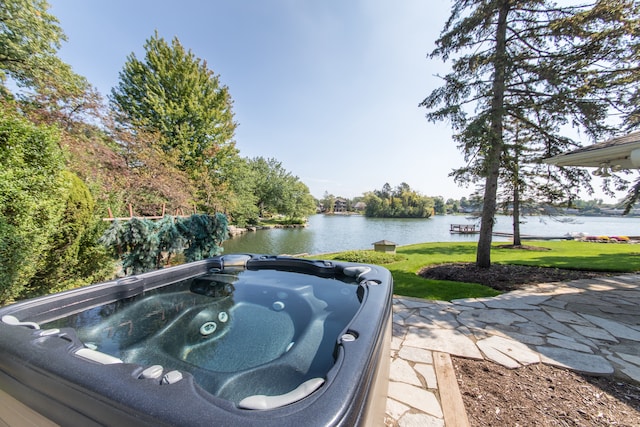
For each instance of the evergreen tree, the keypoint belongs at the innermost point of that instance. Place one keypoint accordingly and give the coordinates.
(532, 63)
(173, 94)
(142, 244)
(204, 235)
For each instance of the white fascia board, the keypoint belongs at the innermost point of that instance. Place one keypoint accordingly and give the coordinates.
(593, 158)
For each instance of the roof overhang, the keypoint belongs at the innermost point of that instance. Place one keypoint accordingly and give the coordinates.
(618, 153)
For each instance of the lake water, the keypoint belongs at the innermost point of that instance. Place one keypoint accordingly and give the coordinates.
(334, 233)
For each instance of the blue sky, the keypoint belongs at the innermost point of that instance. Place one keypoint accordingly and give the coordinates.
(329, 88)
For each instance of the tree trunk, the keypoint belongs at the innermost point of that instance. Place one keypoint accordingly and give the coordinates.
(516, 211)
(516, 189)
(483, 255)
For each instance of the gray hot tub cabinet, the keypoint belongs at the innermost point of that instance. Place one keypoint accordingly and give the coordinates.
(51, 376)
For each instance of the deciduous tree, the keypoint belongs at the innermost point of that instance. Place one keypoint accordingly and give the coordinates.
(30, 38)
(29, 41)
(403, 202)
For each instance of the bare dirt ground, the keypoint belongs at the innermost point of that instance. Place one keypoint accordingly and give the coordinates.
(535, 395)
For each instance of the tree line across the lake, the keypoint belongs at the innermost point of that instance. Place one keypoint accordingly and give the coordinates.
(404, 202)
(521, 73)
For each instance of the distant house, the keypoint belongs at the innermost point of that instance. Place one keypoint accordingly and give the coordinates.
(360, 206)
(340, 205)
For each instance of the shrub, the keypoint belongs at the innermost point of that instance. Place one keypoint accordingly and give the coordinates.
(204, 234)
(74, 257)
(31, 201)
(370, 257)
(141, 244)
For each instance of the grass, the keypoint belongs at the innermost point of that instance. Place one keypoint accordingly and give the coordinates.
(576, 255)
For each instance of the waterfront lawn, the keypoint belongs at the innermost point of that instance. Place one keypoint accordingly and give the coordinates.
(576, 255)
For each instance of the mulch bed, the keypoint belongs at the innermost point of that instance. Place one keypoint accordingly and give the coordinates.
(503, 277)
(543, 395)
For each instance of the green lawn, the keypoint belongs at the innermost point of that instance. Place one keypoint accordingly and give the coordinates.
(612, 257)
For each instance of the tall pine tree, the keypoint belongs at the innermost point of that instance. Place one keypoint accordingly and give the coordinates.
(535, 65)
(172, 93)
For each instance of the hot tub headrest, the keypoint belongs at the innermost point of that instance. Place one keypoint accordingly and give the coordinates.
(261, 401)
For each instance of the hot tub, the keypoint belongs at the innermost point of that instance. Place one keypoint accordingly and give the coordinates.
(232, 340)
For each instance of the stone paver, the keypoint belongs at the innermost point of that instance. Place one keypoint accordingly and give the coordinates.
(395, 409)
(616, 329)
(428, 373)
(420, 420)
(508, 352)
(445, 340)
(590, 326)
(416, 354)
(575, 360)
(401, 371)
(416, 397)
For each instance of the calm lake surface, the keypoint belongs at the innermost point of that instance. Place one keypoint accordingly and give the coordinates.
(334, 233)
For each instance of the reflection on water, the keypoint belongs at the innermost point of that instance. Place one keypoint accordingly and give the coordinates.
(333, 233)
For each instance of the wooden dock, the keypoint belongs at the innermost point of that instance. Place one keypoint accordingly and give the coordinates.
(472, 229)
(528, 237)
(463, 229)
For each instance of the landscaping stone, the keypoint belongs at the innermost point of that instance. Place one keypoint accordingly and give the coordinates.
(616, 329)
(428, 373)
(416, 354)
(575, 360)
(415, 397)
(396, 409)
(543, 319)
(441, 319)
(420, 420)
(494, 316)
(401, 371)
(566, 316)
(469, 302)
(593, 332)
(630, 358)
(528, 339)
(555, 303)
(499, 348)
(570, 344)
(631, 370)
(513, 301)
(443, 340)
(416, 303)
